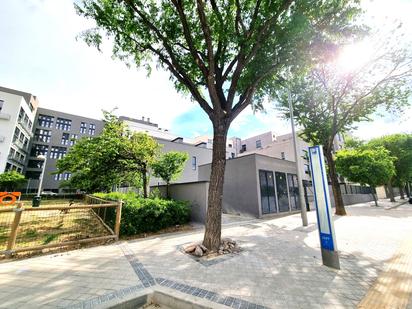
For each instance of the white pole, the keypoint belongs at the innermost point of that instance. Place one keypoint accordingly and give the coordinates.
(28, 185)
(298, 165)
(42, 176)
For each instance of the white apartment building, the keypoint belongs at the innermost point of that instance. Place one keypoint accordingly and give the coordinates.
(17, 113)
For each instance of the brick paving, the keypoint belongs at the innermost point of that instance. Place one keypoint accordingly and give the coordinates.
(280, 266)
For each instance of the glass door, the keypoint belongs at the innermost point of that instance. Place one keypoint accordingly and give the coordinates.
(282, 192)
(267, 192)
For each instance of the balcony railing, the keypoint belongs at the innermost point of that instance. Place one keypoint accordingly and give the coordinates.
(15, 159)
(20, 145)
(26, 127)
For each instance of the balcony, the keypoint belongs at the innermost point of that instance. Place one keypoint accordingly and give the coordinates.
(16, 160)
(25, 127)
(4, 116)
(21, 146)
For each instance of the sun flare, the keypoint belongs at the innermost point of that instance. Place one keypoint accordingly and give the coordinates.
(354, 56)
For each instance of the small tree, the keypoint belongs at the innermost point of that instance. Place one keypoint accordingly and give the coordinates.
(114, 157)
(11, 181)
(141, 152)
(399, 147)
(169, 167)
(373, 167)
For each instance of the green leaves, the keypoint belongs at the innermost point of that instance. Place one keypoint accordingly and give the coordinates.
(115, 157)
(11, 181)
(372, 167)
(170, 165)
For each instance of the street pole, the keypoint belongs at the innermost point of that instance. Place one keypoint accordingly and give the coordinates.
(28, 185)
(42, 174)
(298, 165)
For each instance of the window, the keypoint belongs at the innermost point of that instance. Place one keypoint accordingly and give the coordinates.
(243, 149)
(33, 174)
(1, 104)
(307, 169)
(92, 129)
(57, 152)
(73, 139)
(229, 145)
(35, 164)
(63, 124)
(194, 163)
(38, 149)
(8, 167)
(282, 155)
(42, 135)
(259, 144)
(83, 128)
(64, 176)
(16, 134)
(65, 139)
(232, 154)
(45, 121)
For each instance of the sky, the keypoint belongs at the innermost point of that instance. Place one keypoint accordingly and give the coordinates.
(39, 54)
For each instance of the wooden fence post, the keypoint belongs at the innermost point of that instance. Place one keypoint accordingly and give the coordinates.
(14, 226)
(118, 218)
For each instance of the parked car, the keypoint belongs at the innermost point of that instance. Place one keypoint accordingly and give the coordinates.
(48, 193)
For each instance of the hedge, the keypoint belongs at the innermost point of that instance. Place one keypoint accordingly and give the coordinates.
(140, 215)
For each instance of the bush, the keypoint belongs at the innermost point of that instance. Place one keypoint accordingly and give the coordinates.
(141, 215)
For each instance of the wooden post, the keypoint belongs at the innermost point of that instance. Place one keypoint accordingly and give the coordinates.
(14, 226)
(118, 218)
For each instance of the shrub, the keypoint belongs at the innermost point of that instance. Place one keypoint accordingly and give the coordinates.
(140, 215)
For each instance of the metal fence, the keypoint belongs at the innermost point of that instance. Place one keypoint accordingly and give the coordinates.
(53, 226)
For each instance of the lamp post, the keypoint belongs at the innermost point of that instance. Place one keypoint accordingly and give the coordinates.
(44, 159)
(298, 165)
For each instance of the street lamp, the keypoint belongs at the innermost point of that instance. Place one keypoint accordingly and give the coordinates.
(298, 165)
(44, 159)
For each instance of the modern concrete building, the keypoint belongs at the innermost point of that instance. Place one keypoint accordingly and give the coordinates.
(54, 133)
(17, 113)
(257, 185)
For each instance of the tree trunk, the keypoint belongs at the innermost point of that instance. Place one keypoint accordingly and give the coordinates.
(401, 192)
(375, 198)
(337, 193)
(167, 191)
(144, 176)
(390, 191)
(213, 227)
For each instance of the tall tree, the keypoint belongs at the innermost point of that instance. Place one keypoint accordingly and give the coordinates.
(399, 147)
(169, 167)
(373, 167)
(227, 54)
(330, 99)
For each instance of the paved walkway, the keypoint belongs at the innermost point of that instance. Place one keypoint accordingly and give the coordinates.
(280, 266)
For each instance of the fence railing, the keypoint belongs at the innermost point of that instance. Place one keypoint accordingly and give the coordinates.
(37, 228)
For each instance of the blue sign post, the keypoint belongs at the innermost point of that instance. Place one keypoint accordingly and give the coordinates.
(329, 249)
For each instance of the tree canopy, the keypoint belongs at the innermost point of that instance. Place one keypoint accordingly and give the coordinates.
(330, 100)
(115, 157)
(399, 147)
(169, 167)
(12, 180)
(227, 54)
(373, 167)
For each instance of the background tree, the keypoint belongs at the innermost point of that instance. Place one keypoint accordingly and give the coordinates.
(114, 157)
(399, 147)
(140, 152)
(330, 100)
(169, 167)
(227, 54)
(10, 181)
(373, 167)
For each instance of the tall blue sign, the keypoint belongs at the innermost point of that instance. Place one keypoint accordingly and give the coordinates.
(321, 196)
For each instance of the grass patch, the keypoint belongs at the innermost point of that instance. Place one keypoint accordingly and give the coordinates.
(44, 227)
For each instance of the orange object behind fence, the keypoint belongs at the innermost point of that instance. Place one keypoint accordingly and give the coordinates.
(12, 196)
